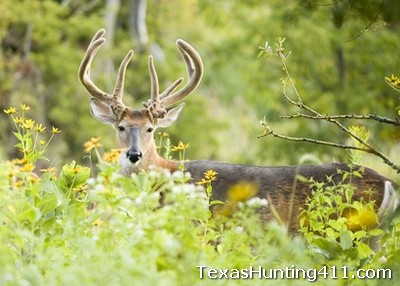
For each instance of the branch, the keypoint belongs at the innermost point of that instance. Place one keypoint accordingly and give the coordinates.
(314, 114)
(373, 20)
(301, 105)
(385, 159)
(378, 118)
(269, 131)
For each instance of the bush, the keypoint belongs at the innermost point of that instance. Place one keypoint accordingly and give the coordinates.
(155, 228)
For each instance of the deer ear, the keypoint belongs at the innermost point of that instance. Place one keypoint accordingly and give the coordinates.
(171, 116)
(102, 111)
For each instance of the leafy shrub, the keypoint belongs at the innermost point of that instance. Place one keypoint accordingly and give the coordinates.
(338, 228)
(151, 228)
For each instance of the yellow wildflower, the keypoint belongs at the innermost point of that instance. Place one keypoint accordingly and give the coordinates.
(19, 120)
(33, 179)
(10, 110)
(79, 189)
(55, 130)
(52, 171)
(28, 124)
(393, 81)
(112, 156)
(239, 192)
(24, 107)
(19, 161)
(242, 191)
(28, 167)
(363, 218)
(97, 222)
(26, 151)
(18, 183)
(77, 169)
(39, 128)
(92, 144)
(12, 173)
(180, 146)
(209, 177)
(42, 142)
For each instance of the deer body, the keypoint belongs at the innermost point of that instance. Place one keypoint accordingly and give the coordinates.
(285, 193)
(282, 187)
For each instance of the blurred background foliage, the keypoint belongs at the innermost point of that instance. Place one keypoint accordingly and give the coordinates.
(341, 52)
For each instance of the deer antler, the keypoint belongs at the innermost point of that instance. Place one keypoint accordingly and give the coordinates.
(114, 100)
(157, 104)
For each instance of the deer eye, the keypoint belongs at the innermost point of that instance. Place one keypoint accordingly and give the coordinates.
(150, 129)
(121, 128)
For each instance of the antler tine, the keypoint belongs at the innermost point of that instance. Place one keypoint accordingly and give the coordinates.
(84, 73)
(154, 92)
(171, 88)
(194, 67)
(153, 105)
(84, 68)
(119, 84)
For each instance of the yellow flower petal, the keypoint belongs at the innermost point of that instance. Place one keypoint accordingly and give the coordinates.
(91, 144)
(24, 107)
(55, 130)
(242, 191)
(10, 110)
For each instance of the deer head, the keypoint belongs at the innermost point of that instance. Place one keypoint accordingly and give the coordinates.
(135, 127)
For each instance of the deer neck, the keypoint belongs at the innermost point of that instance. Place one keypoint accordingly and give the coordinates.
(170, 165)
(151, 159)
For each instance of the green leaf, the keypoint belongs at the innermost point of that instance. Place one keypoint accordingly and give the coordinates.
(18, 136)
(360, 234)
(364, 250)
(73, 175)
(346, 240)
(30, 213)
(376, 232)
(28, 142)
(328, 248)
(216, 202)
(220, 248)
(335, 224)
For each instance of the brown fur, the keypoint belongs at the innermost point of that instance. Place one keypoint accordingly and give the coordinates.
(285, 192)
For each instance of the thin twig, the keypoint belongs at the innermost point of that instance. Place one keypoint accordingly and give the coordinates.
(313, 114)
(269, 131)
(381, 119)
(373, 20)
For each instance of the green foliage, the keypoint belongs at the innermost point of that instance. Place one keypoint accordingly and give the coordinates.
(364, 134)
(336, 227)
(340, 231)
(359, 135)
(150, 227)
(155, 228)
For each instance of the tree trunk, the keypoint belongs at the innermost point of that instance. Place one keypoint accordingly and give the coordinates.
(110, 20)
(137, 22)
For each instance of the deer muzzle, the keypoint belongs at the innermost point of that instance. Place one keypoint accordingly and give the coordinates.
(134, 154)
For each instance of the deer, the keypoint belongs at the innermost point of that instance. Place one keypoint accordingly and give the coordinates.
(279, 185)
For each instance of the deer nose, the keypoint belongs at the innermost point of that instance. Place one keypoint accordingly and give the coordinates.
(133, 155)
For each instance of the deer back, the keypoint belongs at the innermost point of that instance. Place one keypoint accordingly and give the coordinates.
(286, 188)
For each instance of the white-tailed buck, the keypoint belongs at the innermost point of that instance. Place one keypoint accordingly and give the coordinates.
(285, 193)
